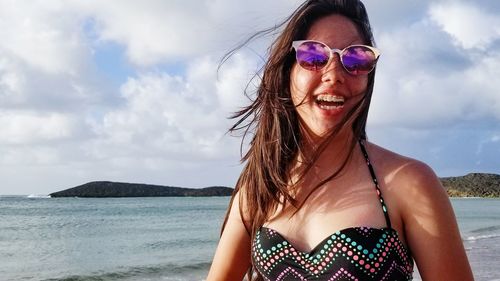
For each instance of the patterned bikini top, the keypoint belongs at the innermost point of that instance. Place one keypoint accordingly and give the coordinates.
(354, 254)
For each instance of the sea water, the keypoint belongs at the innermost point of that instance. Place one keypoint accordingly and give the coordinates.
(161, 238)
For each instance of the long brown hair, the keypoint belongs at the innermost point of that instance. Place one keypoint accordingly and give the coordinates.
(272, 119)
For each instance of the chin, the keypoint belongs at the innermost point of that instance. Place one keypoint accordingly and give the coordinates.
(322, 132)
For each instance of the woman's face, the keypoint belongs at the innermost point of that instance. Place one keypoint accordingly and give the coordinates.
(313, 91)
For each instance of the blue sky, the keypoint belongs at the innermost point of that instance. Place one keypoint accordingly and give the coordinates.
(128, 91)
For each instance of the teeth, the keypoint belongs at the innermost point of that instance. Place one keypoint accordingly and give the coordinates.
(330, 98)
(328, 107)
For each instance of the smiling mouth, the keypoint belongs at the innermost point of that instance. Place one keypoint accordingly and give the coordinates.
(329, 101)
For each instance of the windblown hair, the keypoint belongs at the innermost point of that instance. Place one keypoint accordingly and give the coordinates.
(273, 121)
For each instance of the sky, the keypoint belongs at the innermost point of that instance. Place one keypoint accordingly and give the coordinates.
(128, 91)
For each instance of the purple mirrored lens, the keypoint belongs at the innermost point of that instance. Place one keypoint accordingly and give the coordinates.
(312, 55)
(358, 59)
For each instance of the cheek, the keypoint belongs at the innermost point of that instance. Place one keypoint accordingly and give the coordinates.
(300, 85)
(358, 86)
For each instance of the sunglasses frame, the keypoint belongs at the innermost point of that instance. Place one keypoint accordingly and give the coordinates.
(296, 44)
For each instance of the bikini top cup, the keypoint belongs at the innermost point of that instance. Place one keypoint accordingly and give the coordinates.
(355, 253)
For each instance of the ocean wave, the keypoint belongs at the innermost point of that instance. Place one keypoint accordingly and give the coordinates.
(38, 196)
(173, 272)
(480, 237)
(179, 243)
(486, 229)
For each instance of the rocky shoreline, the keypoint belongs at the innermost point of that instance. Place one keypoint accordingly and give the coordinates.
(470, 185)
(121, 189)
(473, 185)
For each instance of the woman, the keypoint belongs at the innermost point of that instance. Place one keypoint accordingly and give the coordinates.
(316, 200)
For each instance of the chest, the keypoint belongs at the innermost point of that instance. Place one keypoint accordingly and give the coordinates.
(326, 211)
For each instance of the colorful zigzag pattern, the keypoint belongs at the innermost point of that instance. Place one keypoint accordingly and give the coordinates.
(357, 253)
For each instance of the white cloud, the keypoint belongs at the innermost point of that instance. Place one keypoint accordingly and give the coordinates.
(158, 31)
(468, 24)
(425, 81)
(12, 82)
(43, 34)
(173, 115)
(33, 156)
(28, 128)
(235, 75)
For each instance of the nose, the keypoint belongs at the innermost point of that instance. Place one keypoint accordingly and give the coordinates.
(334, 72)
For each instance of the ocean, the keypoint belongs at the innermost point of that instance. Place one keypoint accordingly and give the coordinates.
(161, 238)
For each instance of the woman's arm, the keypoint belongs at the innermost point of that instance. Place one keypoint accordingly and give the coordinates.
(430, 226)
(232, 257)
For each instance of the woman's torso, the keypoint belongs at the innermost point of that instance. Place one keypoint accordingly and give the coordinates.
(342, 232)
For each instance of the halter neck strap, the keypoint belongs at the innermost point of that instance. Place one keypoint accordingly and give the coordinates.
(375, 181)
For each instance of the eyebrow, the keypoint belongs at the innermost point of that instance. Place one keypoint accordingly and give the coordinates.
(354, 40)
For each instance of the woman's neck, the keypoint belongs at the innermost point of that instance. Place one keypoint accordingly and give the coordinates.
(323, 154)
(335, 146)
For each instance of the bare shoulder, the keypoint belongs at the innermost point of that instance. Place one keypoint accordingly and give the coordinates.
(422, 211)
(409, 185)
(403, 175)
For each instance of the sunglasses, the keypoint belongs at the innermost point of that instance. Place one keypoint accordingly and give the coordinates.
(315, 55)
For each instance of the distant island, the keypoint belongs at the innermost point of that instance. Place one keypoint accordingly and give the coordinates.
(470, 185)
(121, 189)
(473, 185)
